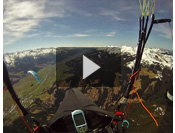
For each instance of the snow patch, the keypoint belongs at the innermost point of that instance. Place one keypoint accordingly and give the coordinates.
(160, 111)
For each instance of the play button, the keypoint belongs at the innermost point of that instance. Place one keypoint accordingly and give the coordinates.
(79, 67)
(89, 67)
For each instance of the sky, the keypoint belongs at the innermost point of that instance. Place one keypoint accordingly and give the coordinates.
(30, 24)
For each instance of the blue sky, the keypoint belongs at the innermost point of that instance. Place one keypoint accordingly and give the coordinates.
(30, 24)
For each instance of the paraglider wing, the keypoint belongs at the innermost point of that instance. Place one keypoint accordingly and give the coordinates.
(35, 75)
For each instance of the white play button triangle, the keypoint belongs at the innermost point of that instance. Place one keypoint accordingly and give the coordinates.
(89, 67)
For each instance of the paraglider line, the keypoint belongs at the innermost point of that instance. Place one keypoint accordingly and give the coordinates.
(171, 31)
(139, 99)
(132, 92)
(129, 105)
(21, 115)
(133, 74)
(145, 107)
(4, 89)
(153, 7)
(169, 17)
(36, 128)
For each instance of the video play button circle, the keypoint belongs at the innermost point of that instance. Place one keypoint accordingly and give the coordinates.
(89, 67)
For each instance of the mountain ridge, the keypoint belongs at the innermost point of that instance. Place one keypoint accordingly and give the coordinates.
(150, 56)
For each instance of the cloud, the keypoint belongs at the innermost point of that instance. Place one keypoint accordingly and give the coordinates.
(163, 30)
(80, 35)
(48, 34)
(111, 34)
(21, 17)
(162, 11)
(112, 13)
(32, 35)
(120, 10)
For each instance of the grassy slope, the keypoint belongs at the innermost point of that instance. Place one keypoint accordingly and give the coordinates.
(24, 90)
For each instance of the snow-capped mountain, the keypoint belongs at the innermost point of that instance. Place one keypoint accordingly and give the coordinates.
(10, 57)
(151, 56)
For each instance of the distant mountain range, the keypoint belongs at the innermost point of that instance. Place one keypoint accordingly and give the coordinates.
(151, 56)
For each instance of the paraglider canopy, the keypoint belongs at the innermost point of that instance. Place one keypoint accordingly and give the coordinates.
(35, 75)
